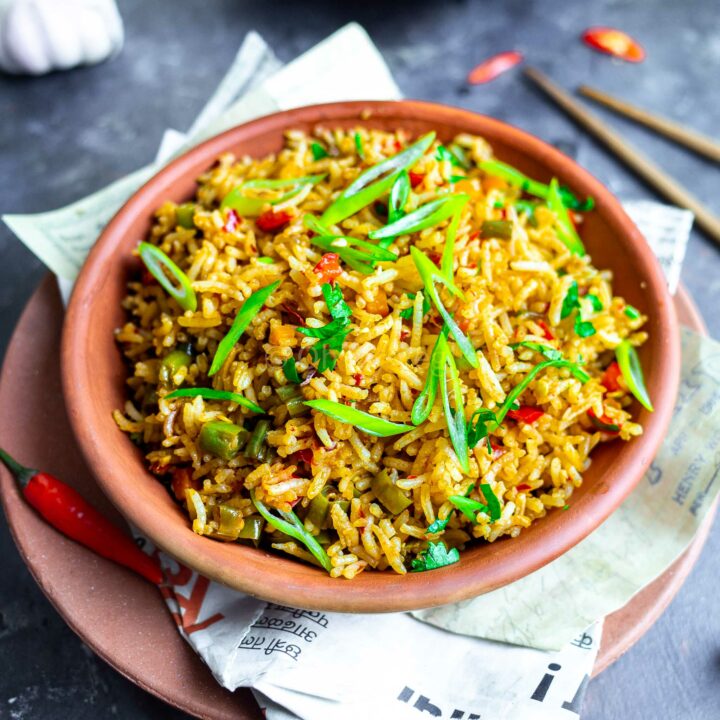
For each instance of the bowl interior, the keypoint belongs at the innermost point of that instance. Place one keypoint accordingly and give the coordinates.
(94, 375)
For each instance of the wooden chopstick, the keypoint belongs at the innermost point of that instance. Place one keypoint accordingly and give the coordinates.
(689, 138)
(640, 164)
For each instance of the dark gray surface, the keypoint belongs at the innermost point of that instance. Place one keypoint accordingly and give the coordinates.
(65, 135)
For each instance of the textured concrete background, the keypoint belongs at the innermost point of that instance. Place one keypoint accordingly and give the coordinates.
(66, 135)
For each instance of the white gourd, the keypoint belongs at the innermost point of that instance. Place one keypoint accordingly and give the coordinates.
(39, 36)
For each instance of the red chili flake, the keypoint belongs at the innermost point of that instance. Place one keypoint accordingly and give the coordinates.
(294, 314)
(328, 269)
(271, 221)
(547, 334)
(497, 450)
(614, 42)
(472, 265)
(305, 455)
(526, 414)
(435, 257)
(611, 377)
(160, 469)
(232, 221)
(463, 323)
(415, 179)
(474, 235)
(294, 502)
(492, 67)
(522, 487)
(147, 278)
(404, 335)
(398, 145)
(358, 378)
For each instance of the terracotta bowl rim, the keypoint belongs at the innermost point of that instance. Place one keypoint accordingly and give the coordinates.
(276, 579)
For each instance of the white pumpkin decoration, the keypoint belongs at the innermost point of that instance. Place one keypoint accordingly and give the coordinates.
(38, 36)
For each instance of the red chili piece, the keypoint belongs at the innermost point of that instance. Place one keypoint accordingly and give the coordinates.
(415, 179)
(547, 334)
(614, 42)
(526, 414)
(271, 221)
(305, 455)
(67, 511)
(497, 451)
(611, 377)
(492, 67)
(232, 221)
(328, 269)
(358, 378)
(522, 487)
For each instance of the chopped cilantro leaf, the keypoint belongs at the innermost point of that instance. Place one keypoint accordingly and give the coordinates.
(632, 313)
(436, 556)
(583, 328)
(437, 526)
(571, 301)
(318, 151)
(290, 370)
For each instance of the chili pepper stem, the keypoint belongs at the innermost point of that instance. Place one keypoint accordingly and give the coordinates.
(21, 473)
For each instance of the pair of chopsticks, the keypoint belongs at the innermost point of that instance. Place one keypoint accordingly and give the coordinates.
(643, 166)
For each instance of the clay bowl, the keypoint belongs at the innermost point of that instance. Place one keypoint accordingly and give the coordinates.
(94, 376)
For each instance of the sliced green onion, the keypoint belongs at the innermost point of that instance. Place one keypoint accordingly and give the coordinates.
(545, 350)
(631, 312)
(212, 394)
(245, 314)
(399, 194)
(155, 260)
(469, 508)
(265, 260)
(290, 371)
(371, 424)
(253, 206)
(492, 501)
(446, 262)
(284, 182)
(518, 390)
(429, 273)
(364, 190)
(290, 524)
(428, 215)
(318, 151)
(359, 146)
(455, 418)
(583, 328)
(358, 254)
(533, 187)
(424, 402)
(460, 155)
(631, 369)
(565, 229)
(595, 301)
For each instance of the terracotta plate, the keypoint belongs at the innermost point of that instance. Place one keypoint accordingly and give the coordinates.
(122, 618)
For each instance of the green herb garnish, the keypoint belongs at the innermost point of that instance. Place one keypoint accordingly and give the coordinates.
(253, 206)
(371, 424)
(245, 314)
(331, 336)
(443, 154)
(265, 260)
(545, 350)
(565, 229)
(367, 187)
(595, 301)
(436, 556)
(424, 402)
(359, 146)
(583, 328)
(455, 417)
(631, 312)
(571, 302)
(429, 273)
(290, 370)
(399, 194)
(318, 151)
(437, 526)
(159, 265)
(492, 501)
(290, 524)
(632, 372)
(212, 394)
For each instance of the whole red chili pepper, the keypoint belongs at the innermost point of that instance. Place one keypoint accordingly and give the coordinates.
(492, 67)
(67, 511)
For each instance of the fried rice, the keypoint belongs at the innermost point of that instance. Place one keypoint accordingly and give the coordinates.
(514, 289)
